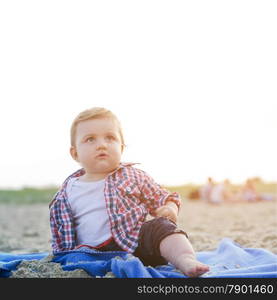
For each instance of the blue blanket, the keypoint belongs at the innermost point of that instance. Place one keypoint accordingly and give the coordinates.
(228, 260)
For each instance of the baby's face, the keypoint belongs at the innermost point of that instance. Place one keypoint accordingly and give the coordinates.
(98, 145)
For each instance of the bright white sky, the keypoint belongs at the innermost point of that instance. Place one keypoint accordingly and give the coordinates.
(193, 83)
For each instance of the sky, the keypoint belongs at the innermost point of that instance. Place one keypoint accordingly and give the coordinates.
(192, 82)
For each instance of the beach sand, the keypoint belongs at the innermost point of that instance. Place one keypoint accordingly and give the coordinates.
(252, 225)
(25, 229)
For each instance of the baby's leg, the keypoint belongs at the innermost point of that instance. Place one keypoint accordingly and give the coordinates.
(177, 249)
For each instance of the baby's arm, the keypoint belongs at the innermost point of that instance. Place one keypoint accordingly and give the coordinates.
(58, 239)
(169, 210)
(54, 232)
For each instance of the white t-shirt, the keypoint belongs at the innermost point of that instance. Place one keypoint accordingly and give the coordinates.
(89, 211)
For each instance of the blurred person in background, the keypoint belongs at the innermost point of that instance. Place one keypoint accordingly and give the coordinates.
(205, 190)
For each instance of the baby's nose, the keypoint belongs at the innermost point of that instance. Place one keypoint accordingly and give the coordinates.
(101, 144)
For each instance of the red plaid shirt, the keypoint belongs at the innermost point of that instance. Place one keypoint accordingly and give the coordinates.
(130, 194)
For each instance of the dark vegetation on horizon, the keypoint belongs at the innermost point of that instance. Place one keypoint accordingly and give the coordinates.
(31, 195)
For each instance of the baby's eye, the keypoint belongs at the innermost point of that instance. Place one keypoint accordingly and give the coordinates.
(110, 137)
(90, 139)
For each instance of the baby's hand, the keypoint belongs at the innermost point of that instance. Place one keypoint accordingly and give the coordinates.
(167, 211)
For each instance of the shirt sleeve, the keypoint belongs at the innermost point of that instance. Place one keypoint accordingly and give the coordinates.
(56, 240)
(154, 196)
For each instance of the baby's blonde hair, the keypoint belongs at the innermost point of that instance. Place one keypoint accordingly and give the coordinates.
(90, 114)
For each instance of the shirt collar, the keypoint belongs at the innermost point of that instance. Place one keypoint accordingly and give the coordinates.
(81, 172)
(122, 165)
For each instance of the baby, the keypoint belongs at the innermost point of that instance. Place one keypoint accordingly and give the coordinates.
(104, 205)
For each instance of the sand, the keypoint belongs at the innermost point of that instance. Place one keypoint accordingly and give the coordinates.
(25, 229)
(253, 225)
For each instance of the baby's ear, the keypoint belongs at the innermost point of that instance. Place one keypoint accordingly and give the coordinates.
(73, 153)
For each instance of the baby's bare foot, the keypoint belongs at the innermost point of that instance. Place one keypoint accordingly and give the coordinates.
(192, 267)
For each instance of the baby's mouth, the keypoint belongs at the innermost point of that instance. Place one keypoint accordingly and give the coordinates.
(102, 155)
